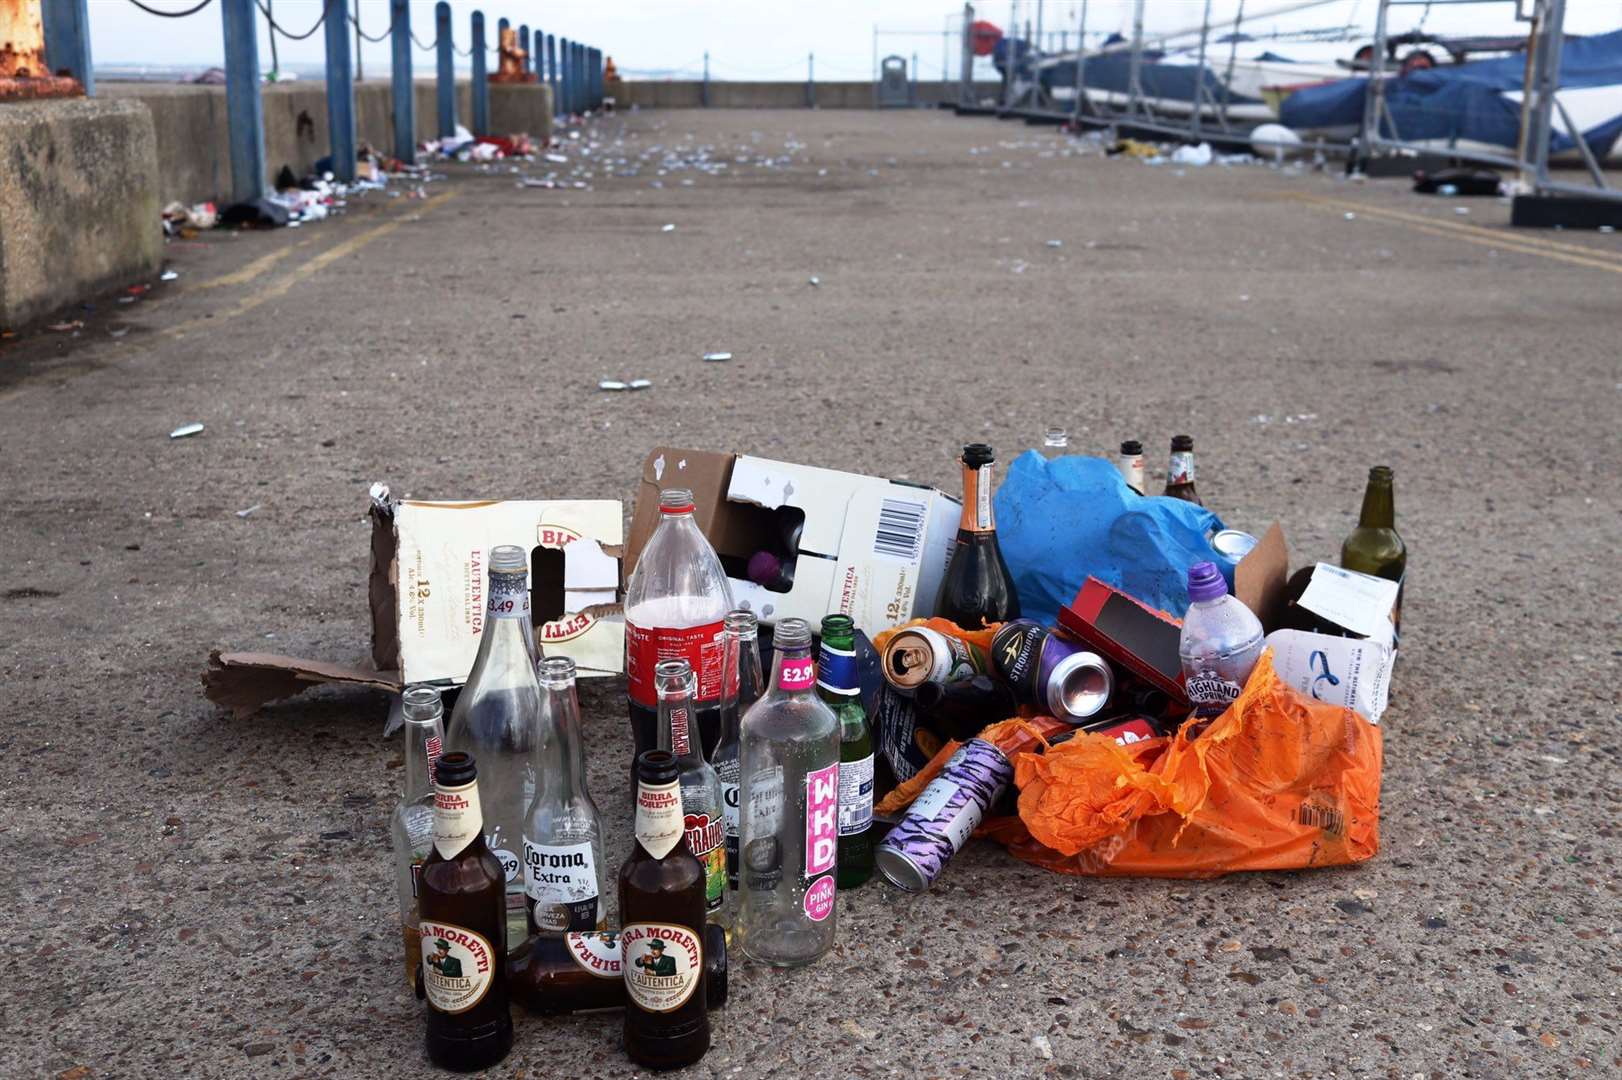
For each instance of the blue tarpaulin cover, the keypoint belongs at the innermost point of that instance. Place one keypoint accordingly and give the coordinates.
(1062, 521)
(1467, 101)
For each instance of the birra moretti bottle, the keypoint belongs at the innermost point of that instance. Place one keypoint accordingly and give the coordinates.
(675, 604)
(563, 834)
(497, 718)
(412, 825)
(790, 811)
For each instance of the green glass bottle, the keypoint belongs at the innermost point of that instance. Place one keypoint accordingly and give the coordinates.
(840, 688)
(1375, 547)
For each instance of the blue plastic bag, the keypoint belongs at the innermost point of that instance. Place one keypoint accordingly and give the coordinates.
(1062, 521)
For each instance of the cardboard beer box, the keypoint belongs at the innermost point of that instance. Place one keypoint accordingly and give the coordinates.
(429, 576)
(870, 548)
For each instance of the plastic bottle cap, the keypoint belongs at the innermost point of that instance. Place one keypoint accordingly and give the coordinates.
(1205, 582)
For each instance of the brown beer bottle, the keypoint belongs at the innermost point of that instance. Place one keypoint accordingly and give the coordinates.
(662, 903)
(1180, 473)
(462, 905)
(551, 975)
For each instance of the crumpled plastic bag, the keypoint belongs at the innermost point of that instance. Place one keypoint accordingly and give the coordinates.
(1062, 521)
(1277, 782)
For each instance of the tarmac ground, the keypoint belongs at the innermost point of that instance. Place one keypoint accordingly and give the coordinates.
(192, 894)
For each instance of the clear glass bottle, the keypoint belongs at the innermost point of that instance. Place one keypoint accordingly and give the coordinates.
(1056, 443)
(412, 825)
(740, 688)
(563, 833)
(790, 811)
(675, 601)
(700, 787)
(497, 718)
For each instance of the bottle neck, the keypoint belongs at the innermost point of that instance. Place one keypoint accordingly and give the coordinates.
(678, 727)
(837, 679)
(425, 741)
(792, 670)
(560, 765)
(977, 515)
(507, 627)
(1379, 507)
(740, 685)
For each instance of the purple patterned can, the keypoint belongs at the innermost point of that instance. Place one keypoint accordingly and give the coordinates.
(941, 819)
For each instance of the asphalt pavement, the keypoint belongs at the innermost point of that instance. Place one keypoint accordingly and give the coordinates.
(192, 894)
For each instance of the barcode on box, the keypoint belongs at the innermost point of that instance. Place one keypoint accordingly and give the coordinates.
(901, 530)
(1326, 818)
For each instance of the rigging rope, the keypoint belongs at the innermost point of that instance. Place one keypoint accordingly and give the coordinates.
(278, 28)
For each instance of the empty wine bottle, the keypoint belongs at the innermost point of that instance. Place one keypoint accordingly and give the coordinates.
(977, 589)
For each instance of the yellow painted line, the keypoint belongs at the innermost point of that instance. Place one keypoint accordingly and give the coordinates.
(306, 270)
(245, 274)
(1449, 230)
(1524, 240)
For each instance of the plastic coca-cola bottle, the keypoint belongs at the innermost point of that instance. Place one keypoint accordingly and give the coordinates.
(675, 605)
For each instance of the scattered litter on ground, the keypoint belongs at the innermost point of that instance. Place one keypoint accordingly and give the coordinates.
(1055, 243)
(815, 282)
(64, 327)
(185, 431)
(717, 356)
(612, 384)
(249, 510)
(667, 228)
(640, 384)
(1198, 156)
(169, 275)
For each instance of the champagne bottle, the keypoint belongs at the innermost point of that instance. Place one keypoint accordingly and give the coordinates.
(977, 589)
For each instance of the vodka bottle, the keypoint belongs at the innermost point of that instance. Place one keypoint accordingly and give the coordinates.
(675, 602)
(1220, 642)
(741, 686)
(412, 824)
(790, 811)
(563, 833)
(700, 787)
(496, 719)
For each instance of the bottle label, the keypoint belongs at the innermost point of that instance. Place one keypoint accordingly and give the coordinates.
(855, 796)
(458, 966)
(821, 820)
(1209, 692)
(963, 811)
(662, 963)
(982, 499)
(596, 952)
(457, 818)
(1182, 468)
(658, 818)
(731, 793)
(560, 881)
(819, 898)
(796, 673)
(706, 839)
(836, 671)
(432, 747)
(680, 742)
(509, 597)
(700, 646)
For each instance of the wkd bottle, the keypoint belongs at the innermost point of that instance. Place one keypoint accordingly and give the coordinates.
(977, 589)
(1180, 471)
(497, 717)
(675, 604)
(1375, 547)
(661, 885)
(461, 902)
(563, 833)
(839, 686)
(741, 687)
(790, 811)
(700, 788)
(412, 825)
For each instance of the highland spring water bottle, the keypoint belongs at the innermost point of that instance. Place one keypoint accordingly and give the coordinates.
(1220, 644)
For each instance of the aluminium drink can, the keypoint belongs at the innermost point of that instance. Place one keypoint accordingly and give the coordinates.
(919, 655)
(1233, 545)
(1050, 672)
(942, 818)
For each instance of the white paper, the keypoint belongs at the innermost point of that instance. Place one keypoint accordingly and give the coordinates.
(1339, 670)
(1360, 603)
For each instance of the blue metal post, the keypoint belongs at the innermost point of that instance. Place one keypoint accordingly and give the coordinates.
(580, 103)
(481, 84)
(596, 78)
(810, 80)
(523, 43)
(501, 28)
(245, 110)
(537, 54)
(405, 105)
(704, 90)
(565, 53)
(340, 92)
(447, 70)
(67, 40)
(552, 73)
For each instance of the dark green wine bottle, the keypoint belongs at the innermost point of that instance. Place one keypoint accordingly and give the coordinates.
(977, 590)
(1375, 547)
(839, 686)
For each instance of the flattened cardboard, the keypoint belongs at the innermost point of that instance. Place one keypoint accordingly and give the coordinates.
(871, 548)
(246, 681)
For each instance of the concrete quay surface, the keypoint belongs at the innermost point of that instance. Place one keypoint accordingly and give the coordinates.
(191, 894)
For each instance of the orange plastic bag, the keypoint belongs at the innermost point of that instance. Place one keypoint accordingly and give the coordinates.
(1277, 782)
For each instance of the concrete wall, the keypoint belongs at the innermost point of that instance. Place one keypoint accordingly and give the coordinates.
(193, 135)
(775, 95)
(79, 211)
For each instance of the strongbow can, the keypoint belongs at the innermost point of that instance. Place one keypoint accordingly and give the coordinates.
(919, 655)
(944, 816)
(1050, 672)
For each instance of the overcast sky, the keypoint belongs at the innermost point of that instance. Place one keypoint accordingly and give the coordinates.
(746, 39)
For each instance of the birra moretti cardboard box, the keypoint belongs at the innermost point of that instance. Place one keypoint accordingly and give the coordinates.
(430, 572)
(870, 548)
